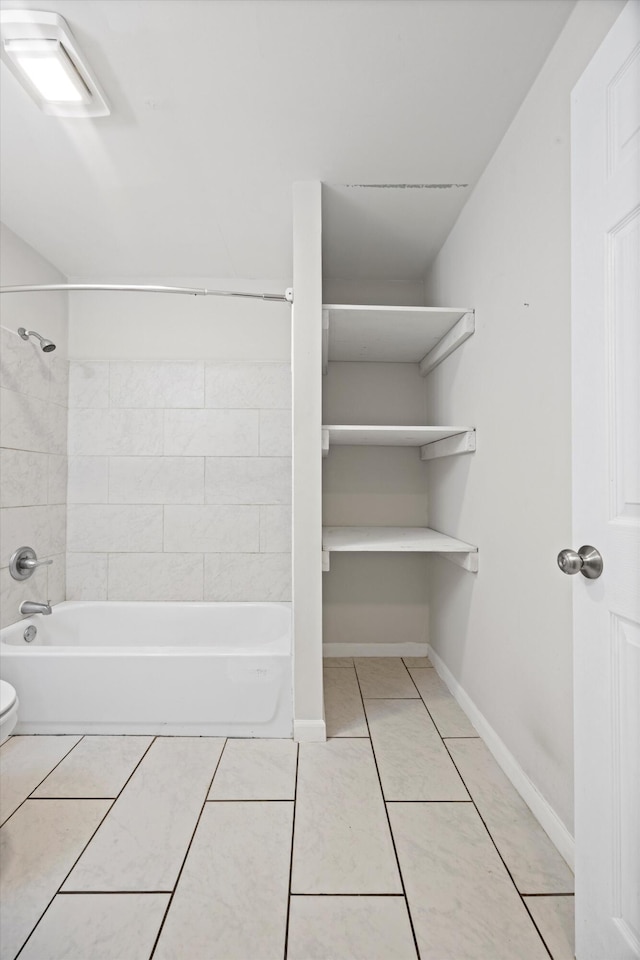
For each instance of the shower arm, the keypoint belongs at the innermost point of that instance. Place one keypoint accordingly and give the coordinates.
(286, 297)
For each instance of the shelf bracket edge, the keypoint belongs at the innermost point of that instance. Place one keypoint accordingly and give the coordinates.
(468, 561)
(449, 446)
(462, 330)
(326, 564)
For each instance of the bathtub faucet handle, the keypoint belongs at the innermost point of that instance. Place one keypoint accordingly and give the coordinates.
(32, 564)
(24, 561)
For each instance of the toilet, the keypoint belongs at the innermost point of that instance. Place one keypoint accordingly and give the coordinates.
(8, 710)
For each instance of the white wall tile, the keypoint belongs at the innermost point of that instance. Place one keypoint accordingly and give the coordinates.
(248, 385)
(157, 384)
(156, 480)
(57, 422)
(155, 576)
(211, 529)
(87, 576)
(58, 379)
(88, 384)
(109, 528)
(57, 482)
(58, 528)
(23, 366)
(23, 478)
(275, 529)
(211, 433)
(57, 579)
(25, 526)
(88, 480)
(247, 576)
(13, 592)
(24, 422)
(275, 433)
(115, 433)
(248, 480)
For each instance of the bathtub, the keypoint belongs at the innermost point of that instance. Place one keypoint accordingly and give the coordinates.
(200, 669)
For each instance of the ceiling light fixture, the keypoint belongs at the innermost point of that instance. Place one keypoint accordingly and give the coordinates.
(40, 51)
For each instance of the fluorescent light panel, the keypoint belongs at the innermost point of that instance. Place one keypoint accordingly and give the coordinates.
(40, 52)
(49, 68)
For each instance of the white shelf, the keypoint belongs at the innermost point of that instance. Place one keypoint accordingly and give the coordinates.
(392, 334)
(397, 540)
(385, 436)
(391, 540)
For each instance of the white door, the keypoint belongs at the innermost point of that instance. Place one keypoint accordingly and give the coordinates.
(606, 492)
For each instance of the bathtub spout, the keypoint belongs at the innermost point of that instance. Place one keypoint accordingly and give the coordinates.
(27, 607)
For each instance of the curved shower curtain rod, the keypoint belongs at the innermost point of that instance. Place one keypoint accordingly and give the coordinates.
(286, 297)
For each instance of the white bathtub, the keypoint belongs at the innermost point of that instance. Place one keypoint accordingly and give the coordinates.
(203, 669)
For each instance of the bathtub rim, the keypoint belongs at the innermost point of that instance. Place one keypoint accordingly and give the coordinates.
(282, 646)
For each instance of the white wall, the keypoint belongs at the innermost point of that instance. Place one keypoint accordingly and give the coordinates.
(506, 634)
(141, 326)
(33, 427)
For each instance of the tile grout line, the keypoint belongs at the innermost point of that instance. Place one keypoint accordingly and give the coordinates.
(479, 814)
(293, 833)
(189, 845)
(386, 812)
(548, 894)
(28, 797)
(102, 820)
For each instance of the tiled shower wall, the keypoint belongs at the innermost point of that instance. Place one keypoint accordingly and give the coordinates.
(33, 464)
(179, 481)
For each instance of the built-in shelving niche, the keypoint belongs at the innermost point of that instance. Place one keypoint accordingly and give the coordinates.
(379, 334)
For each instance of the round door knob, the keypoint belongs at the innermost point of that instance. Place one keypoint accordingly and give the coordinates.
(587, 561)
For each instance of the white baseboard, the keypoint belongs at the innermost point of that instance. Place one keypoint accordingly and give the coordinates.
(541, 809)
(375, 649)
(309, 731)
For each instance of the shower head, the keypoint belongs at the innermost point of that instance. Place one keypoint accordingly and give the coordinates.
(45, 345)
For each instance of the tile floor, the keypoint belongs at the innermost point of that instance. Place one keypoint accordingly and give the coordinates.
(398, 839)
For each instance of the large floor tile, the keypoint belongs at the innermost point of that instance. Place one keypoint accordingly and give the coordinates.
(98, 767)
(231, 900)
(342, 842)
(350, 928)
(448, 717)
(24, 763)
(462, 902)
(343, 710)
(142, 843)
(38, 847)
(338, 663)
(99, 926)
(417, 662)
(412, 760)
(384, 677)
(533, 861)
(555, 919)
(256, 770)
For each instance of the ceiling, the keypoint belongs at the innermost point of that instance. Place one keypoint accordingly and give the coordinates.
(218, 106)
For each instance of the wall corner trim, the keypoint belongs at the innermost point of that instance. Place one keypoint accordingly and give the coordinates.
(539, 806)
(309, 731)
